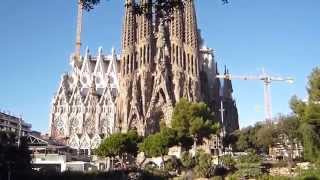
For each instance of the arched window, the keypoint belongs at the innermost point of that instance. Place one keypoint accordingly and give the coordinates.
(140, 57)
(105, 126)
(60, 126)
(148, 52)
(127, 65)
(135, 61)
(192, 65)
(74, 125)
(144, 55)
(177, 53)
(185, 58)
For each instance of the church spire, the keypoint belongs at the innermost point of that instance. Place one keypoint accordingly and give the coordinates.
(128, 59)
(176, 23)
(176, 37)
(227, 85)
(191, 38)
(144, 34)
(191, 29)
(145, 20)
(128, 34)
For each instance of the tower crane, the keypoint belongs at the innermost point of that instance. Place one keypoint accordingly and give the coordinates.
(75, 58)
(266, 79)
(79, 28)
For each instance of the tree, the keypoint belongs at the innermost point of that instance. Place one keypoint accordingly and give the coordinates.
(193, 120)
(308, 114)
(158, 144)
(249, 166)
(119, 145)
(161, 4)
(247, 138)
(13, 159)
(187, 160)
(204, 166)
(311, 139)
(314, 86)
(243, 142)
(249, 158)
(297, 106)
(257, 138)
(266, 136)
(228, 161)
(172, 165)
(231, 139)
(288, 127)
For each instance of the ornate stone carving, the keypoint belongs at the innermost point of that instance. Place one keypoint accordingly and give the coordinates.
(170, 67)
(161, 62)
(78, 107)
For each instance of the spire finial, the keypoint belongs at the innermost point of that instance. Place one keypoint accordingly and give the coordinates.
(93, 84)
(87, 52)
(78, 82)
(100, 51)
(93, 87)
(217, 68)
(113, 51)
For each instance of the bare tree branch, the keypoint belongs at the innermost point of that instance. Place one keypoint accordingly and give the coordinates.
(166, 5)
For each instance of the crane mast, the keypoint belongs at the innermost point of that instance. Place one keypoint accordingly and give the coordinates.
(75, 60)
(267, 100)
(79, 29)
(267, 79)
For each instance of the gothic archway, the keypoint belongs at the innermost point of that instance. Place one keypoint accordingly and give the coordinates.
(74, 125)
(60, 130)
(133, 124)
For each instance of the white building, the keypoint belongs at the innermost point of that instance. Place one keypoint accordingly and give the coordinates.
(83, 109)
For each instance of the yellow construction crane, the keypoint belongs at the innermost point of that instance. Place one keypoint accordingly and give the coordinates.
(267, 79)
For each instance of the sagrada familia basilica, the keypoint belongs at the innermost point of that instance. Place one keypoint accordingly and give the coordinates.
(161, 61)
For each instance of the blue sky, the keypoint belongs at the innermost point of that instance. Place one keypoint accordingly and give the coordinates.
(37, 37)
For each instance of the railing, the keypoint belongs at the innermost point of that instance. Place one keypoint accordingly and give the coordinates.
(48, 157)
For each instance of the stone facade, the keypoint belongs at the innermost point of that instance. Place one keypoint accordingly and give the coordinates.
(83, 110)
(161, 61)
(230, 111)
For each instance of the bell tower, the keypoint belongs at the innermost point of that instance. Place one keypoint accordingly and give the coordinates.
(191, 47)
(128, 64)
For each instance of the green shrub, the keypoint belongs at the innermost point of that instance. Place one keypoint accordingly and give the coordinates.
(250, 170)
(110, 175)
(268, 177)
(172, 165)
(311, 174)
(228, 161)
(216, 178)
(249, 158)
(204, 166)
(187, 160)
